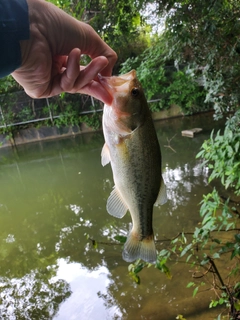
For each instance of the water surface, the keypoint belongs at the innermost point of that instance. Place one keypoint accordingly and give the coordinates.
(53, 198)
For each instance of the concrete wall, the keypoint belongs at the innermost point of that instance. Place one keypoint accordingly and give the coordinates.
(47, 133)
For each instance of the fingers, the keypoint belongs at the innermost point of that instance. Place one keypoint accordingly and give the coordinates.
(50, 59)
(71, 73)
(90, 72)
(75, 77)
(96, 90)
(74, 34)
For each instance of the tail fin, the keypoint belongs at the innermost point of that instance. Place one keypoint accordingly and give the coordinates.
(139, 249)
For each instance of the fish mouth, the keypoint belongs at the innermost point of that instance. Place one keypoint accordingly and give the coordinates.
(117, 84)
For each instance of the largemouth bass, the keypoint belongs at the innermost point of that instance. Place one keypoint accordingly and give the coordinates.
(132, 148)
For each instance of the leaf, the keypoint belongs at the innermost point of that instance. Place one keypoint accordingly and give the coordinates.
(167, 272)
(200, 154)
(237, 146)
(235, 252)
(216, 240)
(180, 317)
(131, 267)
(190, 284)
(237, 237)
(186, 249)
(237, 305)
(163, 253)
(121, 239)
(94, 243)
(162, 267)
(195, 292)
(204, 261)
(135, 277)
(230, 225)
(184, 239)
(139, 268)
(213, 304)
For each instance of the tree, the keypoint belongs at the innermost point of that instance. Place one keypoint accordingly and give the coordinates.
(119, 23)
(205, 35)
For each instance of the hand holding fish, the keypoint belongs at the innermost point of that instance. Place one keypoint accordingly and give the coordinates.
(132, 148)
(50, 58)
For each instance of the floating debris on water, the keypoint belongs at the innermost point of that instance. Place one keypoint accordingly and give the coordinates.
(190, 133)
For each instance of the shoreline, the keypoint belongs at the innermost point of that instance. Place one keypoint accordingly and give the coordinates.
(44, 133)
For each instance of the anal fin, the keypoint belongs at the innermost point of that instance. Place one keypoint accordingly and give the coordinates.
(162, 195)
(105, 155)
(115, 204)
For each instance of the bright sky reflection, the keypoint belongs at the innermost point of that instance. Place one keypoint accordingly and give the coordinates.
(84, 302)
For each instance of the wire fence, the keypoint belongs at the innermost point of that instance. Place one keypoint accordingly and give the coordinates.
(18, 109)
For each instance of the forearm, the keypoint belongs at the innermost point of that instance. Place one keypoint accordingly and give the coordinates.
(14, 27)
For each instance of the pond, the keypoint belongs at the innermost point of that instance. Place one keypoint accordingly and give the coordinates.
(53, 199)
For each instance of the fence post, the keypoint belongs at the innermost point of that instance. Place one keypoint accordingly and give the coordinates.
(50, 111)
(93, 103)
(3, 117)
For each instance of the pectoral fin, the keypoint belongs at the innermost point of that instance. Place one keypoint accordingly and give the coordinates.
(105, 155)
(115, 205)
(162, 195)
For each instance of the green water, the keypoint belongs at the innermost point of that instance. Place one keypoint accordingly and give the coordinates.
(53, 196)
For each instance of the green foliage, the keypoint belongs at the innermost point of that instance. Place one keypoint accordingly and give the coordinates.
(135, 268)
(222, 154)
(161, 263)
(25, 114)
(92, 120)
(186, 93)
(20, 112)
(68, 117)
(150, 70)
(162, 80)
(119, 23)
(8, 84)
(121, 239)
(196, 288)
(180, 317)
(205, 35)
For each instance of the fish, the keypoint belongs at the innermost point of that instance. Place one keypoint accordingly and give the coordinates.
(132, 148)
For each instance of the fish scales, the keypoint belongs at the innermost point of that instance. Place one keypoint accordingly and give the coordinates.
(132, 148)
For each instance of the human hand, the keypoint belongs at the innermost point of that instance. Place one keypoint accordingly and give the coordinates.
(50, 58)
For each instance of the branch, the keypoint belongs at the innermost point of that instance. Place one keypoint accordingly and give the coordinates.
(169, 141)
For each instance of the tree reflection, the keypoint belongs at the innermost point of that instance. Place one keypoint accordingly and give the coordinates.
(34, 296)
(181, 182)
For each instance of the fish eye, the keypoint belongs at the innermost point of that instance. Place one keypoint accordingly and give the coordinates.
(135, 92)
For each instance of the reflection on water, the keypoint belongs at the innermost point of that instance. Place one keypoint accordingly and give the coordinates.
(180, 182)
(87, 286)
(53, 197)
